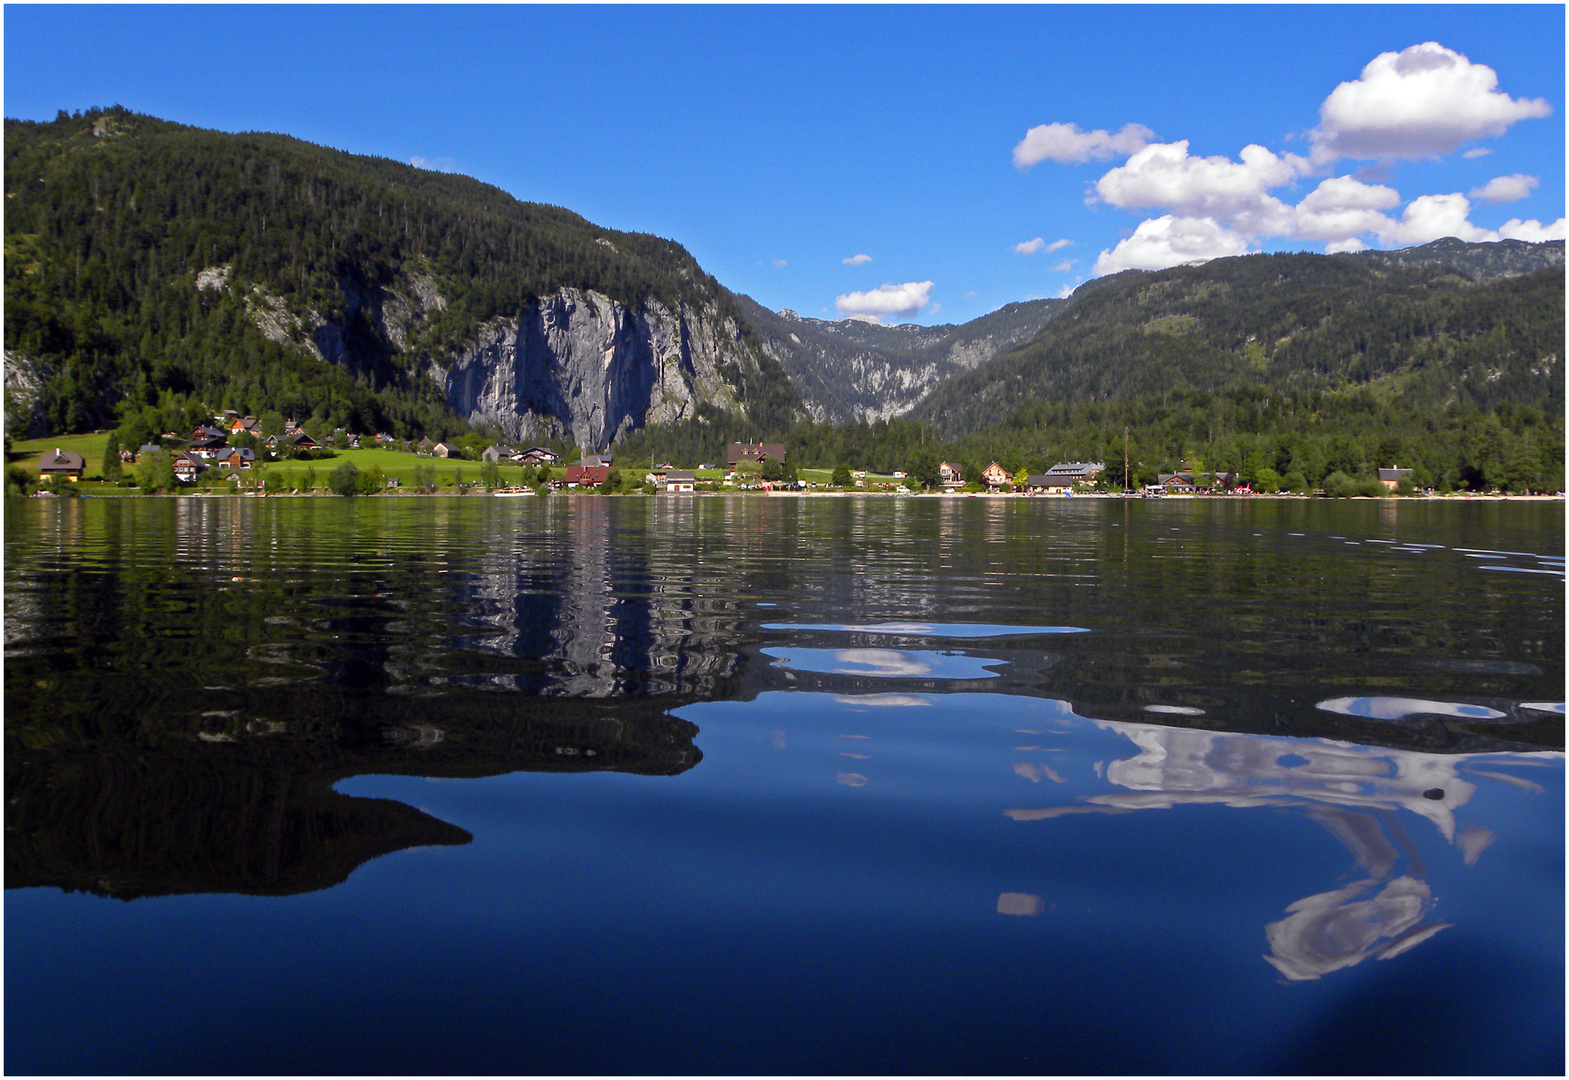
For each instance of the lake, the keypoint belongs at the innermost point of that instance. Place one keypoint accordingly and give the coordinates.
(784, 785)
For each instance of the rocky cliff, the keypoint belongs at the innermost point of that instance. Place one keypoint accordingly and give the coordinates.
(582, 367)
(576, 366)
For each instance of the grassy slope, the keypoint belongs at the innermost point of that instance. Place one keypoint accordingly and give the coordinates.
(392, 464)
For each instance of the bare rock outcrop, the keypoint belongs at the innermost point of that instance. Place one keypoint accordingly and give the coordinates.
(580, 366)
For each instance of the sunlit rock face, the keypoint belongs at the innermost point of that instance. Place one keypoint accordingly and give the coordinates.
(580, 366)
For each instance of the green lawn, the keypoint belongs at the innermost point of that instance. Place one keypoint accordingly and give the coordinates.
(28, 453)
(91, 447)
(402, 466)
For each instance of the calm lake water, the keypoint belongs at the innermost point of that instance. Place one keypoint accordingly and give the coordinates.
(773, 785)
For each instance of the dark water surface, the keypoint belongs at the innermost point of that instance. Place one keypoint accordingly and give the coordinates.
(763, 785)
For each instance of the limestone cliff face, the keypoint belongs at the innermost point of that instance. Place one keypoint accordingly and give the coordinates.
(580, 366)
(575, 365)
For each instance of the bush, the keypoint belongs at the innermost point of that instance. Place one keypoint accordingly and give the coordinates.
(1337, 485)
(370, 481)
(344, 480)
(18, 481)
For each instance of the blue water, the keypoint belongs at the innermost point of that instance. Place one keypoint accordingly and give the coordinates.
(804, 826)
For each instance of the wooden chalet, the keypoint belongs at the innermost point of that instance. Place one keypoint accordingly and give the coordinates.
(736, 453)
(66, 463)
(995, 476)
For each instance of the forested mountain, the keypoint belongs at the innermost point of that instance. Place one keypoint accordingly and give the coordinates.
(1416, 327)
(848, 370)
(148, 261)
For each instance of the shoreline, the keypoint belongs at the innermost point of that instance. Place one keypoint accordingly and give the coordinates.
(1468, 496)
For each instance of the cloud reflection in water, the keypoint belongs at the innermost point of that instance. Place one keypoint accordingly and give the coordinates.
(886, 663)
(1350, 791)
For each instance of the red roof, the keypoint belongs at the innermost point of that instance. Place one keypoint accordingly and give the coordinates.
(587, 475)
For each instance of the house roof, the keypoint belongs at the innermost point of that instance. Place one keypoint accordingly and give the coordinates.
(1393, 474)
(62, 461)
(737, 452)
(587, 474)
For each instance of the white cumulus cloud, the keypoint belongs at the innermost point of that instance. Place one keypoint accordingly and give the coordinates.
(1502, 189)
(780, 264)
(1068, 144)
(1171, 241)
(1164, 176)
(1433, 217)
(1425, 101)
(903, 299)
(1342, 208)
(1058, 245)
(858, 260)
(1532, 231)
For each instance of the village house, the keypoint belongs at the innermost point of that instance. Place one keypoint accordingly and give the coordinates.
(233, 457)
(1076, 472)
(1047, 484)
(1391, 478)
(208, 438)
(498, 453)
(442, 450)
(952, 475)
(736, 453)
(586, 475)
(680, 481)
(538, 455)
(187, 466)
(66, 463)
(995, 476)
(290, 441)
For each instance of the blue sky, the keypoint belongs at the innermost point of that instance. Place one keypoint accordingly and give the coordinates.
(912, 164)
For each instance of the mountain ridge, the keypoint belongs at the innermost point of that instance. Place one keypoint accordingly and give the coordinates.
(116, 224)
(1477, 324)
